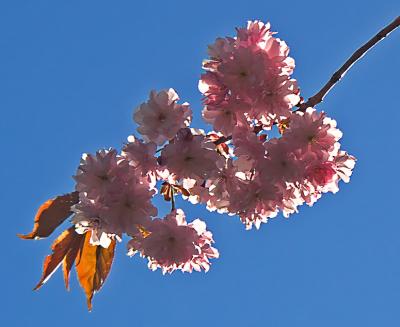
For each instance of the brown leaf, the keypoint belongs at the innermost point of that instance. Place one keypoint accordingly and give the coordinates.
(181, 189)
(223, 149)
(70, 257)
(166, 191)
(143, 231)
(263, 137)
(93, 266)
(61, 247)
(283, 125)
(51, 214)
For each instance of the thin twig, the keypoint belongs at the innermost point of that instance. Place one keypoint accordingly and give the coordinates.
(336, 77)
(172, 199)
(223, 139)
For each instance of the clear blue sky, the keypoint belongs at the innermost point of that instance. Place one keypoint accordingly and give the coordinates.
(70, 74)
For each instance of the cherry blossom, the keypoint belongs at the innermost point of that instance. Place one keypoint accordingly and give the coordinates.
(314, 131)
(96, 173)
(114, 197)
(190, 156)
(161, 116)
(250, 72)
(173, 244)
(140, 155)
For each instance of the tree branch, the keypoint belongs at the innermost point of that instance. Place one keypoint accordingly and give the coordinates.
(336, 77)
(172, 199)
(223, 139)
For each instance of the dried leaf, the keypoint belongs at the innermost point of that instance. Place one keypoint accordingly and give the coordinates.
(61, 247)
(257, 129)
(166, 191)
(181, 189)
(70, 257)
(263, 137)
(283, 125)
(51, 214)
(93, 266)
(223, 149)
(143, 231)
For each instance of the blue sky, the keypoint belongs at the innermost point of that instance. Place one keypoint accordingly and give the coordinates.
(71, 73)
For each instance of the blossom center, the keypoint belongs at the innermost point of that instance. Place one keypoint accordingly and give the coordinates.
(311, 138)
(129, 204)
(103, 177)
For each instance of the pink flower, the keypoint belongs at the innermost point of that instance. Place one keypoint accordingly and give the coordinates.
(120, 210)
(247, 145)
(276, 99)
(282, 164)
(292, 198)
(114, 197)
(221, 49)
(190, 156)
(88, 215)
(225, 116)
(278, 55)
(161, 117)
(213, 89)
(313, 131)
(198, 192)
(172, 244)
(129, 206)
(254, 33)
(243, 74)
(222, 186)
(96, 173)
(255, 202)
(140, 155)
(320, 173)
(344, 164)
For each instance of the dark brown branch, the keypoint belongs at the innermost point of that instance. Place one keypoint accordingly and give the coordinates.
(172, 199)
(223, 139)
(336, 77)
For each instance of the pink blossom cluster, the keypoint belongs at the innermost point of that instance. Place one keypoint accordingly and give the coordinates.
(247, 79)
(238, 168)
(115, 190)
(262, 177)
(171, 243)
(114, 196)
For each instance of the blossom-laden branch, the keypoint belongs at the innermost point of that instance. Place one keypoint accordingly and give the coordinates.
(337, 76)
(248, 88)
